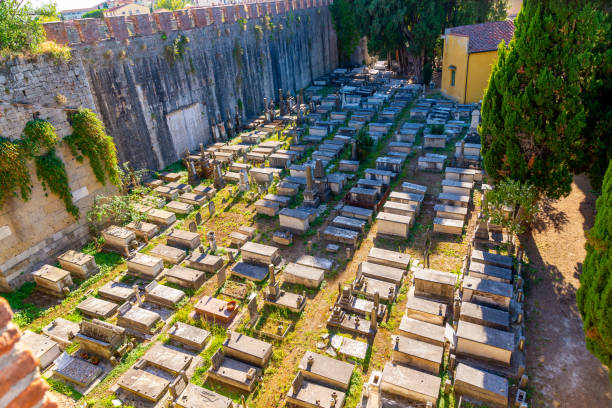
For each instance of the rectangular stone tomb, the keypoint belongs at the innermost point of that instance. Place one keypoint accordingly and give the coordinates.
(238, 238)
(79, 265)
(303, 275)
(182, 187)
(284, 299)
(169, 254)
(116, 291)
(216, 309)
(61, 331)
(434, 141)
(178, 207)
(97, 308)
(307, 394)
(413, 188)
(167, 359)
(481, 385)
(204, 262)
(193, 199)
(389, 258)
(170, 177)
(184, 239)
(407, 210)
(143, 230)
(450, 212)
(371, 185)
(190, 336)
(424, 356)
(75, 370)
(43, 348)
(198, 397)
(102, 339)
(233, 372)
(430, 282)
(404, 147)
(341, 235)
(457, 187)
(260, 253)
(254, 272)
(144, 384)
(208, 191)
(350, 223)
(349, 166)
(427, 163)
(484, 342)
(185, 277)
(145, 266)
(381, 272)
(294, 220)
(163, 295)
(422, 331)
(425, 310)
(484, 316)
(161, 217)
(326, 370)
(266, 207)
(394, 225)
(487, 292)
(356, 305)
(368, 287)
(167, 192)
(316, 262)
(406, 198)
(383, 175)
(139, 319)
(410, 383)
(247, 349)
(288, 189)
(262, 175)
(353, 324)
(357, 212)
(485, 271)
(454, 173)
(489, 258)
(52, 280)
(455, 200)
(389, 163)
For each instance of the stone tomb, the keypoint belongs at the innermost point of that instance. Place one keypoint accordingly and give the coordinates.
(352, 324)
(184, 239)
(145, 266)
(189, 336)
(61, 331)
(316, 262)
(44, 349)
(303, 275)
(193, 199)
(407, 210)
(247, 349)
(233, 372)
(484, 342)
(457, 187)
(430, 282)
(269, 208)
(389, 258)
(250, 271)
(294, 220)
(368, 287)
(356, 212)
(422, 331)
(424, 356)
(448, 226)
(52, 280)
(179, 207)
(198, 397)
(487, 292)
(394, 225)
(354, 224)
(75, 370)
(119, 239)
(185, 277)
(425, 310)
(102, 339)
(341, 235)
(167, 359)
(307, 394)
(204, 262)
(260, 254)
(489, 258)
(161, 217)
(97, 308)
(350, 348)
(162, 295)
(326, 370)
(143, 230)
(167, 192)
(217, 310)
(481, 385)
(450, 212)
(485, 316)
(352, 304)
(495, 273)
(410, 383)
(381, 272)
(169, 254)
(137, 318)
(79, 265)
(455, 200)
(143, 384)
(116, 291)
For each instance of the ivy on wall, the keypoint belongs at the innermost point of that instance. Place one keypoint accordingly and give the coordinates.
(88, 138)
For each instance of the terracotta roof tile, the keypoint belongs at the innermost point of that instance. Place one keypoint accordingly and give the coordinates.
(485, 36)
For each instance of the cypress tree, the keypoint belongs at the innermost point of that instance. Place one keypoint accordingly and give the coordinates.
(595, 294)
(533, 117)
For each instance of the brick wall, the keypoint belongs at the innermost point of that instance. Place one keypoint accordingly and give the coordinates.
(21, 385)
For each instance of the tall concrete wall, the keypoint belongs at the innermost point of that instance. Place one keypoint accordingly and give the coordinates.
(154, 105)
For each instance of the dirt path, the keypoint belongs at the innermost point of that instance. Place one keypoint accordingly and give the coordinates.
(562, 372)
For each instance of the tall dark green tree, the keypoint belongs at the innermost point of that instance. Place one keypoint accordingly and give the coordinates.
(533, 117)
(345, 23)
(594, 296)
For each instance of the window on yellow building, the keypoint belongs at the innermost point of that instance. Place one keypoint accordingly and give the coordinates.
(453, 70)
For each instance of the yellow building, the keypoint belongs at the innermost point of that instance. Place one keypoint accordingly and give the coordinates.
(127, 10)
(469, 53)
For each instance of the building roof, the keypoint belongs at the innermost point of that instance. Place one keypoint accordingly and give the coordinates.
(81, 10)
(485, 36)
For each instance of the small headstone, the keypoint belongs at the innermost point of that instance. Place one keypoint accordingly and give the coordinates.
(211, 208)
(221, 275)
(252, 308)
(198, 218)
(193, 226)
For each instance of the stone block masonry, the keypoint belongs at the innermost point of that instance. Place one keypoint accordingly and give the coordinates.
(156, 103)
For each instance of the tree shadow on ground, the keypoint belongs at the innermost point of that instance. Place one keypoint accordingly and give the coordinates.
(549, 216)
(587, 206)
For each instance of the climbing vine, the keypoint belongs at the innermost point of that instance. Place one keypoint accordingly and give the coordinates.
(13, 171)
(90, 138)
(51, 172)
(38, 135)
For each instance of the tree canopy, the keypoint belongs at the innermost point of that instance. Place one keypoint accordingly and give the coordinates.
(594, 297)
(170, 4)
(99, 13)
(21, 25)
(533, 118)
(345, 24)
